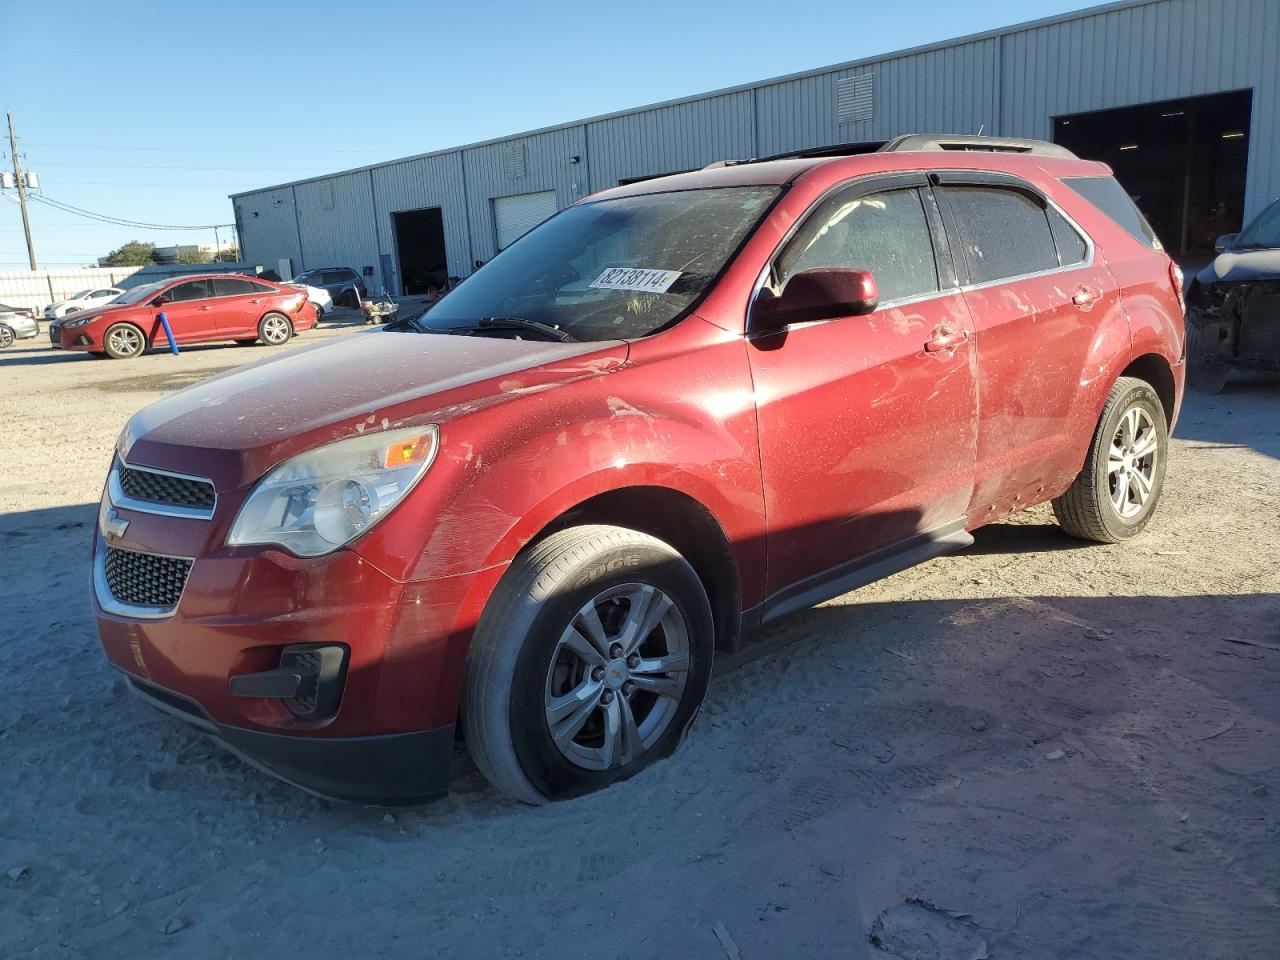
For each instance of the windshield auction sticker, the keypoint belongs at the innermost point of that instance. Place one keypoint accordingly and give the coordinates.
(637, 279)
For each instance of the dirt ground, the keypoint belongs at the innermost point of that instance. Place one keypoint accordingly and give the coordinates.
(1077, 746)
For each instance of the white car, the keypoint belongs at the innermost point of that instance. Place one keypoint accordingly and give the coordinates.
(318, 296)
(84, 300)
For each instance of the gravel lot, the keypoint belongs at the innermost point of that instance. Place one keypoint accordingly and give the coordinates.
(1072, 744)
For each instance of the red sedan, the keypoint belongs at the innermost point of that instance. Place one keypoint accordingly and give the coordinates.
(200, 309)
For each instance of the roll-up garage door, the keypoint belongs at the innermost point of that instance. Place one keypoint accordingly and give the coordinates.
(516, 216)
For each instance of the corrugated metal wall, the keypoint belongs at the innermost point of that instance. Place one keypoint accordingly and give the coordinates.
(1010, 82)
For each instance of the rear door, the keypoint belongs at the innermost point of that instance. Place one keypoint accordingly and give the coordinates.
(190, 311)
(1036, 292)
(866, 425)
(238, 306)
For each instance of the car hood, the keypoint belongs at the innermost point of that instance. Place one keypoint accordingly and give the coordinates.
(94, 312)
(1242, 265)
(243, 422)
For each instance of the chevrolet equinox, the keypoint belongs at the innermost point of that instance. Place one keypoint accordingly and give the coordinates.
(678, 409)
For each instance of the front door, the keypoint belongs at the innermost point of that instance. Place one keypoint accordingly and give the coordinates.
(867, 423)
(190, 312)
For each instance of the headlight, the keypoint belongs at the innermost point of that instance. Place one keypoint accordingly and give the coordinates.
(321, 499)
(77, 322)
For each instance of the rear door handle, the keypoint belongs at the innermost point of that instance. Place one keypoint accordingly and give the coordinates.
(1085, 296)
(206, 308)
(945, 338)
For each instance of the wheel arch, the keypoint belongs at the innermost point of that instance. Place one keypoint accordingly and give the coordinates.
(683, 522)
(1155, 370)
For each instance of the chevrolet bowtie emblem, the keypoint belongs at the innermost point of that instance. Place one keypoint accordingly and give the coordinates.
(113, 527)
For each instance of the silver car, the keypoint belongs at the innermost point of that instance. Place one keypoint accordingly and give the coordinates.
(16, 323)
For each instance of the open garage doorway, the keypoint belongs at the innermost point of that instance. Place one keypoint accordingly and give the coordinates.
(420, 250)
(1183, 162)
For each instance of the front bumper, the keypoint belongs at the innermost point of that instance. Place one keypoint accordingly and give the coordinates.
(387, 769)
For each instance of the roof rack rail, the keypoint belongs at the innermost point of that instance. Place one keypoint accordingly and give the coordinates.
(963, 142)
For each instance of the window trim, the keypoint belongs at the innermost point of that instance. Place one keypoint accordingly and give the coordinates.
(944, 259)
(1006, 181)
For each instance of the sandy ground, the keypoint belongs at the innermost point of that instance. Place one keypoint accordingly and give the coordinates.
(1057, 739)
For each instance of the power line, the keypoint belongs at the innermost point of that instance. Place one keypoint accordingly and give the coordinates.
(120, 221)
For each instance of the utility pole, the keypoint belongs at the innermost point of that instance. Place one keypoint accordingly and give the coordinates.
(22, 193)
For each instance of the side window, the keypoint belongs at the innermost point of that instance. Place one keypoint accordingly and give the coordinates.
(1071, 246)
(231, 287)
(104, 293)
(1002, 233)
(1107, 195)
(886, 233)
(262, 288)
(191, 290)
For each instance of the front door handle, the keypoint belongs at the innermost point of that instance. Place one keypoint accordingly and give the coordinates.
(1085, 296)
(945, 338)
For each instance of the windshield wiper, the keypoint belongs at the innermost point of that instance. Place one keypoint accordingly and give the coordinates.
(520, 323)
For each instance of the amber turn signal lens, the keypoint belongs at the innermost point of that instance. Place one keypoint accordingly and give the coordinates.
(413, 450)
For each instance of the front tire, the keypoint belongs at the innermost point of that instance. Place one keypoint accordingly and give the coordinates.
(1114, 496)
(274, 329)
(123, 341)
(589, 662)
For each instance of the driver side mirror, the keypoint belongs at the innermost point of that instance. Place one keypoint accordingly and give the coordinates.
(1224, 242)
(822, 294)
(160, 301)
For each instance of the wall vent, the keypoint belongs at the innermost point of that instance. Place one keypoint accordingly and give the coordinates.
(854, 97)
(513, 159)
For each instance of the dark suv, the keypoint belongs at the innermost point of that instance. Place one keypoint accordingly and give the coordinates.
(343, 284)
(674, 411)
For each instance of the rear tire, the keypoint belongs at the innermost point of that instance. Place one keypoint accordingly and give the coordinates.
(274, 329)
(600, 634)
(7, 336)
(1114, 496)
(319, 312)
(123, 341)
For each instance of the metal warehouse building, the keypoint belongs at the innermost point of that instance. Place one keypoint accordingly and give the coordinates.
(1181, 97)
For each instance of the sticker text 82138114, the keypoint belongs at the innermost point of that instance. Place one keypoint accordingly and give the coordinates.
(638, 279)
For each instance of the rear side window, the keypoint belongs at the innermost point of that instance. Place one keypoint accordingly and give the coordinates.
(1071, 246)
(262, 288)
(1107, 195)
(885, 233)
(231, 287)
(1002, 233)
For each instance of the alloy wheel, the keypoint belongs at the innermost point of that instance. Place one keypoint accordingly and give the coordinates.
(6, 337)
(1131, 462)
(275, 330)
(617, 676)
(125, 341)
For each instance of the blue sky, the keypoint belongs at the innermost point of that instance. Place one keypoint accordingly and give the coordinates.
(156, 111)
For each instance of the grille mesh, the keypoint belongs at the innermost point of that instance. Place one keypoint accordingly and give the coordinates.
(144, 579)
(162, 488)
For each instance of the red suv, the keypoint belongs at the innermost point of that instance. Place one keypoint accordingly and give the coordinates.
(675, 411)
(199, 309)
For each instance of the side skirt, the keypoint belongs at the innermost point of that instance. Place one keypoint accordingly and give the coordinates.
(859, 572)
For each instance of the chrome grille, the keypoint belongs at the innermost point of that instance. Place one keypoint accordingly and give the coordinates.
(145, 579)
(154, 487)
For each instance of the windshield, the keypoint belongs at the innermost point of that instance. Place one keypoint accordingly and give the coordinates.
(138, 294)
(613, 269)
(1264, 231)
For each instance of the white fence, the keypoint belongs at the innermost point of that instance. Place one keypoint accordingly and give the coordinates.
(35, 288)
